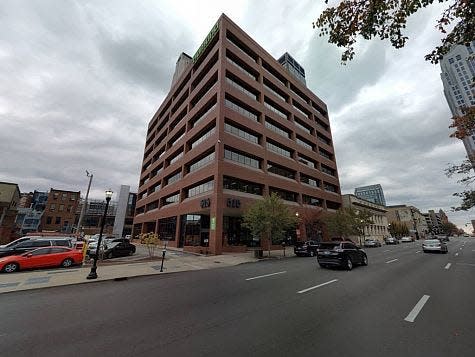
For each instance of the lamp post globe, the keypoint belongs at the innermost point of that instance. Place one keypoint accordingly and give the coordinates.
(93, 273)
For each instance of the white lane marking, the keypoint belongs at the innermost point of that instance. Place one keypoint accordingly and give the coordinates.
(390, 261)
(418, 251)
(448, 266)
(456, 254)
(415, 311)
(387, 250)
(468, 264)
(265, 276)
(316, 286)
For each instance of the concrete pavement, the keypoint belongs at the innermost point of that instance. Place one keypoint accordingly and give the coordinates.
(121, 268)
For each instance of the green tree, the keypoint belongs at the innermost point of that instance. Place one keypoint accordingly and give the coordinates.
(347, 222)
(268, 219)
(398, 229)
(448, 228)
(387, 20)
(468, 195)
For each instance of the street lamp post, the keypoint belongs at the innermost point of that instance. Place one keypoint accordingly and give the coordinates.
(83, 208)
(93, 273)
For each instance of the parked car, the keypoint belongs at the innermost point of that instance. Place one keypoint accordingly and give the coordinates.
(308, 248)
(369, 243)
(434, 245)
(17, 241)
(343, 254)
(116, 248)
(40, 258)
(392, 240)
(33, 243)
(407, 239)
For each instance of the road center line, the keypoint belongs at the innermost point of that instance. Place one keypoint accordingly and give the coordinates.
(265, 276)
(316, 286)
(387, 250)
(391, 261)
(448, 266)
(415, 311)
(418, 251)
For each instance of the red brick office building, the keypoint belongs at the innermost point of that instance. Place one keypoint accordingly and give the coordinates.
(60, 211)
(235, 126)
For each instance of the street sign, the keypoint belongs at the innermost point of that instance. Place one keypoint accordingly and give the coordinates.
(213, 223)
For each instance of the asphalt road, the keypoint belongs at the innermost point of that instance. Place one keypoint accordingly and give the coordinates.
(405, 303)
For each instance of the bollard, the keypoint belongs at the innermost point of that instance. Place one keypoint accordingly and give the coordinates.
(163, 258)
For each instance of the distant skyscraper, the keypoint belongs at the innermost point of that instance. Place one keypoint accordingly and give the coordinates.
(458, 71)
(294, 68)
(372, 193)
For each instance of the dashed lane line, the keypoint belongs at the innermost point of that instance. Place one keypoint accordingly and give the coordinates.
(316, 286)
(448, 266)
(392, 261)
(266, 275)
(417, 309)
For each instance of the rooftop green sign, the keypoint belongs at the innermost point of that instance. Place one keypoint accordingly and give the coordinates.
(206, 42)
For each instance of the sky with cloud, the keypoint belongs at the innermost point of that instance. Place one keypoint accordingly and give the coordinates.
(81, 79)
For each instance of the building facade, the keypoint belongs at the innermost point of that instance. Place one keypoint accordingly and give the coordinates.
(60, 211)
(236, 126)
(457, 74)
(435, 220)
(411, 217)
(31, 211)
(372, 193)
(9, 200)
(379, 229)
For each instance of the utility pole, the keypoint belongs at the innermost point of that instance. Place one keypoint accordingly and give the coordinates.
(83, 209)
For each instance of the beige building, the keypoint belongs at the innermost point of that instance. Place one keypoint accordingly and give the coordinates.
(411, 217)
(378, 230)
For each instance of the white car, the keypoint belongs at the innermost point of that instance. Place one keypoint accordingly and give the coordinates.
(434, 245)
(406, 240)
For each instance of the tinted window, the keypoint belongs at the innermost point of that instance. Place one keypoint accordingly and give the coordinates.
(63, 242)
(349, 246)
(33, 244)
(42, 251)
(329, 245)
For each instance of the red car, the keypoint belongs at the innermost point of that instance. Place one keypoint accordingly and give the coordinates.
(41, 258)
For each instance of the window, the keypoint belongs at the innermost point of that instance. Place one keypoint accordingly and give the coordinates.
(235, 184)
(61, 208)
(241, 67)
(302, 126)
(151, 206)
(304, 143)
(323, 139)
(64, 196)
(241, 47)
(230, 128)
(55, 195)
(306, 161)
(49, 219)
(234, 83)
(232, 104)
(175, 198)
(284, 194)
(309, 180)
(52, 207)
(173, 178)
(42, 251)
(274, 108)
(58, 220)
(328, 170)
(281, 171)
(175, 157)
(198, 139)
(270, 125)
(298, 108)
(267, 86)
(330, 187)
(204, 113)
(310, 200)
(58, 250)
(73, 197)
(201, 188)
(278, 149)
(325, 154)
(241, 158)
(201, 162)
(167, 228)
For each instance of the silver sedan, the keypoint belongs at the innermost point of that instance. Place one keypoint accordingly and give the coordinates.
(434, 245)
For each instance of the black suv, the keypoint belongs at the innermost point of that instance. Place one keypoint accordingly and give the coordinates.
(25, 245)
(308, 248)
(117, 247)
(341, 254)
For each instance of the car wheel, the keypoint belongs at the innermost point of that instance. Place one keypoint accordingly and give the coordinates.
(365, 260)
(312, 253)
(131, 252)
(348, 264)
(110, 255)
(67, 263)
(11, 268)
(425, 251)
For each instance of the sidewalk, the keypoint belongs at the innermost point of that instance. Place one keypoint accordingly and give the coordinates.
(175, 261)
